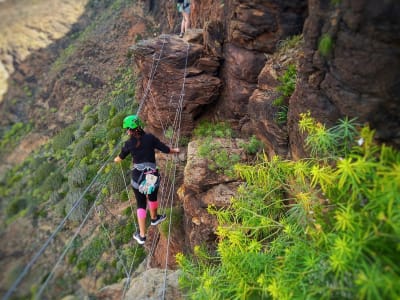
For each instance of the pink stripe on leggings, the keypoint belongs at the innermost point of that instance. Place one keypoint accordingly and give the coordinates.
(141, 213)
(153, 204)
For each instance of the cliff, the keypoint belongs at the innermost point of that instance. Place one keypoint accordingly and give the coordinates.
(229, 67)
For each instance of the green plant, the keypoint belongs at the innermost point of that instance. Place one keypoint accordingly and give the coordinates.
(64, 138)
(12, 136)
(124, 231)
(285, 88)
(317, 228)
(253, 146)
(116, 181)
(83, 148)
(219, 159)
(324, 142)
(77, 176)
(76, 199)
(207, 129)
(325, 45)
(16, 206)
(290, 43)
(91, 254)
(174, 220)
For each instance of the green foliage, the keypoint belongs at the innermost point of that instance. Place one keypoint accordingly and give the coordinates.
(103, 112)
(92, 252)
(53, 181)
(88, 122)
(124, 232)
(290, 43)
(219, 159)
(75, 198)
(77, 176)
(12, 136)
(42, 172)
(116, 181)
(16, 206)
(325, 45)
(176, 217)
(253, 146)
(317, 228)
(207, 129)
(287, 84)
(334, 142)
(285, 88)
(83, 148)
(116, 121)
(64, 138)
(123, 90)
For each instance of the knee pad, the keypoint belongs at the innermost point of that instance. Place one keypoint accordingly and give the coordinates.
(141, 213)
(153, 204)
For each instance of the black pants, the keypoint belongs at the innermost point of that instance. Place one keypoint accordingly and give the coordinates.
(141, 199)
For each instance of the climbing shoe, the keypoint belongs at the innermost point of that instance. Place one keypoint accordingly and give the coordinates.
(138, 238)
(158, 220)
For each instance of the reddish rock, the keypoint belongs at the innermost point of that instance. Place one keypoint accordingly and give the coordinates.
(172, 68)
(359, 77)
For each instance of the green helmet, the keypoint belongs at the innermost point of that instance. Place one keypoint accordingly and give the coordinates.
(132, 122)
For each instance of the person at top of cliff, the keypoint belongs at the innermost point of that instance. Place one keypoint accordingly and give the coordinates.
(145, 176)
(184, 8)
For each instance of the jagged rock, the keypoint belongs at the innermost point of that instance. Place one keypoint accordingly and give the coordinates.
(155, 284)
(263, 114)
(164, 80)
(213, 38)
(202, 188)
(359, 77)
(254, 28)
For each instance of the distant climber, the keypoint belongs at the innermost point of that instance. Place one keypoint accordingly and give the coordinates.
(145, 176)
(184, 8)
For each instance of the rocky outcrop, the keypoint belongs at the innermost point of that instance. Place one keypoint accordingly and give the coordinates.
(263, 114)
(253, 29)
(355, 73)
(202, 188)
(174, 74)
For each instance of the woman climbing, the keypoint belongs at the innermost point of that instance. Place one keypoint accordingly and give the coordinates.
(145, 177)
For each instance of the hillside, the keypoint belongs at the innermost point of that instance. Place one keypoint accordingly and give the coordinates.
(285, 113)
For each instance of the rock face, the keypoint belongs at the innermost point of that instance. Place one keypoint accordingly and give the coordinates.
(175, 79)
(26, 27)
(358, 76)
(263, 116)
(226, 68)
(203, 188)
(253, 29)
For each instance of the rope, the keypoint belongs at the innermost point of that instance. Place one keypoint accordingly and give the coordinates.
(178, 120)
(47, 243)
(75, 205)
(49, 277)
(127, 282)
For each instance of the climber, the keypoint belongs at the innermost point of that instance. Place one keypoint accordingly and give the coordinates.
(145, 176)
(184, 8)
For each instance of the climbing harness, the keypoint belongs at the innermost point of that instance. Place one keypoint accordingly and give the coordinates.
(149, 178)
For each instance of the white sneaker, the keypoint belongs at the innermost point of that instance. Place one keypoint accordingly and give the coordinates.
(138, 238)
